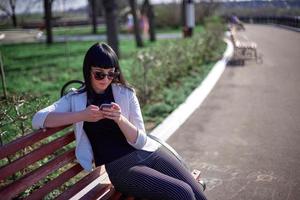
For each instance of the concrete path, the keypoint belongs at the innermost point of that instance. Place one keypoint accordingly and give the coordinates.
(245, 137)
(29, 36)
(19, 35)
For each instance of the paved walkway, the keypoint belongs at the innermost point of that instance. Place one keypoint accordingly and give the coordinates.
(22, 35)
(19, 35)
(245, 137)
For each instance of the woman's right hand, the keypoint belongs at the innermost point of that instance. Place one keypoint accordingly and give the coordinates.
(92, 114)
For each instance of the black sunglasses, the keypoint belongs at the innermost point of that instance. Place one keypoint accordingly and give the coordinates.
(101, 75)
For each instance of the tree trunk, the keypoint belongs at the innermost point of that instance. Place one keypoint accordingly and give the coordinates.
(151, 17)
(48, 20)
(14, 19)
(3, 84)
(13, 12)
(183, 18)
(110, 8)
(136, 27)
(93, 14)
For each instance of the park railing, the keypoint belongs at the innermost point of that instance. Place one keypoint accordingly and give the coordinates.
(292, 21)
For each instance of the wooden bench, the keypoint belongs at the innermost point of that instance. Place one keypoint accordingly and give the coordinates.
(243, 50)
(57, 155)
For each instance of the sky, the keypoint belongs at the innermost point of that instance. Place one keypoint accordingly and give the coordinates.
(69, 4)
(64, 4)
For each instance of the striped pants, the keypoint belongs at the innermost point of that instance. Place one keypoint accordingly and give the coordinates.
(153, 175)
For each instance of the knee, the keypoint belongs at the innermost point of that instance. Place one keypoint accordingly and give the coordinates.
(184, 191)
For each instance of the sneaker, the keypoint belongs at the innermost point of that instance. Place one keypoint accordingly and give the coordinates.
(203, 184)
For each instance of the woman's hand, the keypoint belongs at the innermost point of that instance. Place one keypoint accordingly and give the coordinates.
(92, 114)
(127, 128)
(113, 113)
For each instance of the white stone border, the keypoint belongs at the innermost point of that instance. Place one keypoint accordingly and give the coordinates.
(194, 100)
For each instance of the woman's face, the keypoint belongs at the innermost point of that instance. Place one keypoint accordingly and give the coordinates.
(101, 78)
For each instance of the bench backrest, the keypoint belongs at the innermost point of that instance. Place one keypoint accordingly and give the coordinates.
(38, 165)
(233, 37)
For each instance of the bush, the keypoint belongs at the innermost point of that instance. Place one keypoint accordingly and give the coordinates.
(16, 113)
(160, 72)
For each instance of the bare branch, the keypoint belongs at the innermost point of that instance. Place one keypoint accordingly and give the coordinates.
(4, 7)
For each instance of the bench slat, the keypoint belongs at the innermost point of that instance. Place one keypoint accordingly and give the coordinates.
(36, 155)
(100, 190)
(58, 181)
(81, 184)
(116, 196)
(31, 178)
(27, 140)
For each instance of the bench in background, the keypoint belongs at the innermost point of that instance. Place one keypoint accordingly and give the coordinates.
(243, 50)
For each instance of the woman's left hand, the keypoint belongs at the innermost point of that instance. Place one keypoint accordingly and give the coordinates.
(113, 113)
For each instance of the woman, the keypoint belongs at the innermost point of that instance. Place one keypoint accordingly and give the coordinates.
(114, 135)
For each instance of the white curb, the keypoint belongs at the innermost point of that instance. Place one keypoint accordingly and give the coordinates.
(194, 100)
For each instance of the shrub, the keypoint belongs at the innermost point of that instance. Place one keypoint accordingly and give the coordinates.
(16, 113)
(160, 71)
(157, 67)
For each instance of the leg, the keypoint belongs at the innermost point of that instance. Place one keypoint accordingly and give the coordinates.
(145, 182)
(168, 164)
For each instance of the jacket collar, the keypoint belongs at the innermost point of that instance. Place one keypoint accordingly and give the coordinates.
(118, 92)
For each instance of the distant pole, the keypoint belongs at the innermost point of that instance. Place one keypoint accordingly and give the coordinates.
(188, 17)
(3, 77)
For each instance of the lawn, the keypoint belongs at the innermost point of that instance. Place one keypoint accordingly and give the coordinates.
(40, 69)
(87, 30)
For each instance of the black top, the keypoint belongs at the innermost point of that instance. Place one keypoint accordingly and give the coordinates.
(106, 138)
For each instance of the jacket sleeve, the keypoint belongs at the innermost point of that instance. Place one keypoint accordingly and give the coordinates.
(62, 105)
(135, 117)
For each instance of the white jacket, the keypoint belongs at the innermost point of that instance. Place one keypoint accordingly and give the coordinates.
(73, 102)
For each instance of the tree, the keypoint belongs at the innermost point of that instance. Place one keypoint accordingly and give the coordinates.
(9, 8)
(93, 14)
(110, 9)
(136, 27)
(48, 20)
(148, 9)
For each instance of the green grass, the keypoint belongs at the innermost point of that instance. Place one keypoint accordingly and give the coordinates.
(77, 30)
(87, 30)
(40, 69)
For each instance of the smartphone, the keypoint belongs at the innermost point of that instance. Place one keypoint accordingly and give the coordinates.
(105, 105)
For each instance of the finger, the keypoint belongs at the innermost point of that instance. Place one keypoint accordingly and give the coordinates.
(108, 115)
(116, 112)
(115, 106)
(94, 108)
(105, 112)
(106, 109)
